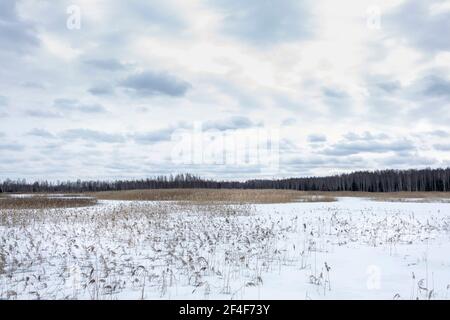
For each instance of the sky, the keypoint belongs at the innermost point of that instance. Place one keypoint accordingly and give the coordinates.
(108, 89)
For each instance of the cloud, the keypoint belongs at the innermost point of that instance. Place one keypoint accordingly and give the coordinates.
(75, 105)
(428, 98)
(309, 163)
(439, 133)
(160, 135)
(435, 86)
(357, 147)
(442, 147)
(406, 162)
(287, 146)
(32, 85)
(382, 84)
(42, 114)
(389, 86)
(16, 35)
(420, 25)
(366, 136)
(3, 101)
(101, 90)
(230, 123)
(105, 64)
(92, 135)
(155, 16)
(306, 66)
(334, 93)
(3, 104)
(11, 147)
(288, 122)
(265, 22)
(153, 137)
(151, 83)
(338, 102)
(165, 134)
(42, 133)
(314, 138)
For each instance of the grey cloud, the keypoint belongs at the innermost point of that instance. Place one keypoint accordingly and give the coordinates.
(75, 105)
(65, 103)
(352, 148)
(382, 84)
(311, 162)
(426, 97)
(287, 146)
(389, 86)
(15, 34)
(42, 114)
(158, 15)
(151, 83)
(231, 123)
(439, 133)
(334, 93)
(414, 21)
(406, 161)
(101, 90)
(154, 136)
(165, 134)
(3, 104)
(429, 97)
(160, 135)
(3, 101)
(42, 133)
(266, 22)
(91, 108)
(288, 122)
(236, 91)
(313, 138)
(435, 86)
(92, 135)
(51, 147)
(11, 147)
(442, 147)
(431, 83)
(367, 136)
(32, 85)
(105, 64)
(338, 101)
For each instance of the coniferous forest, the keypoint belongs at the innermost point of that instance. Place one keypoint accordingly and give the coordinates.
(425, 180)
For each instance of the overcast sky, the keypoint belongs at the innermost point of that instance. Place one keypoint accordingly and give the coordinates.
(350, 85)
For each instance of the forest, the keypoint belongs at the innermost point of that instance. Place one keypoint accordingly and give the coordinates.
(424, 180)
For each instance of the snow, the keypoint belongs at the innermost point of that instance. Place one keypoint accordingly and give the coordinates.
(162, 250)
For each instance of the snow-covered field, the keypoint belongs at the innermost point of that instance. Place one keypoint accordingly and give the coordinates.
(354, 248)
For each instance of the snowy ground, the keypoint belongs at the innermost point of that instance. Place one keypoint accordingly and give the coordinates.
(351, 249)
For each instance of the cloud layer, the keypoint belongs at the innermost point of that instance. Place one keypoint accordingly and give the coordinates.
(344, 87)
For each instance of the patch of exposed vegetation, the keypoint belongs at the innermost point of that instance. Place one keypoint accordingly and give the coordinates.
(44, 202)
(214, 196)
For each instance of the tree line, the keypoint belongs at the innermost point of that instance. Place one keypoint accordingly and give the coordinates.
(364, 181)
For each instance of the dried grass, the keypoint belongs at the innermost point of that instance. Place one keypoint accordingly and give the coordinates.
(42, 202)
(214, 196)
(392, 196)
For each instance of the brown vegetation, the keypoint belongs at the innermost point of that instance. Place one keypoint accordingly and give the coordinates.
(392, 196)
(42, 202)
(215, 195)
(263, 196)
(208, 196)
